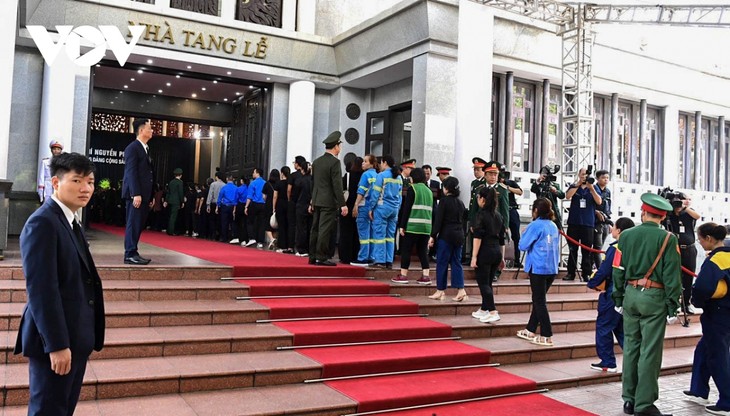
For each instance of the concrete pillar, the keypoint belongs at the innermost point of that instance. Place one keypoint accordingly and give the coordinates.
(433, 132)
(301, 120)
(289, 15)
(671, 149)
(615, 145)
(279, 126)
(57, 106)
(8, 29)
(473, 87)
(505, 156)
(306, 16)
(644, 149)
(228, 9)
(544, 147)
(721, 157)
(698, 177)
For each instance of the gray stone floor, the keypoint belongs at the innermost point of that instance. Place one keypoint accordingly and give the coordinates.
(605, 399)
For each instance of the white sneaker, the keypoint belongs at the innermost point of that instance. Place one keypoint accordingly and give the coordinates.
(259, 245)
(694, 310)
(234, 241)
(301, 254)
(250, 243)
(195, 235)
(359, 263)
(492, 317)
(479, 314)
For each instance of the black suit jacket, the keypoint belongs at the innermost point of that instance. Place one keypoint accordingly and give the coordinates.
(65, 306)
(138, 176)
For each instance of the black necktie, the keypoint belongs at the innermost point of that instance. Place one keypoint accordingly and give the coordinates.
(82, 241)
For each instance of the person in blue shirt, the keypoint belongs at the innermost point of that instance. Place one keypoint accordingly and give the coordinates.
(584, 199)
(226, 207)
(361, 213)
(383, 211)
(541, 244)
(609, 323)
(710, 292)
(241, 234)
(256, 210)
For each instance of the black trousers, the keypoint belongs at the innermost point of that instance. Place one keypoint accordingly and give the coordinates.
(213, 222)
(291, 213)
(349, 240)
(540, 284)
(583, 234)
(136, 218)
(689, 261)
(304, 226)
(407, 242)
(282, 234)
(241, 225)
(324, 223)
(488, 259)
(514, 230)
(257, 222)
(51, 394)
(226, 216)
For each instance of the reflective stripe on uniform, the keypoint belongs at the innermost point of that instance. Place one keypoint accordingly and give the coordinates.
(423, 207)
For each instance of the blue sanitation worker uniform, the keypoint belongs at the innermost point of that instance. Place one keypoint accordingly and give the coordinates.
(712, 354)
(364, 225)
(648, 299)
(386, 200)
(609, 323)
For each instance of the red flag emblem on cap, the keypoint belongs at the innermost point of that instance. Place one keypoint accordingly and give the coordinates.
(617, 259)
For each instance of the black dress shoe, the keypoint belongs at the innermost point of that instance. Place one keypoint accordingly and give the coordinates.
(312, 260)
(326, 263)
(628, 408)
(136, 260)
(573, 278)
(651, 411)
(144, 258)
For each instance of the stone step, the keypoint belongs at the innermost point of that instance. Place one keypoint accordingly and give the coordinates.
(151, 271)
(122, 314)
(501, 287)
(505, 303)
(145, 290)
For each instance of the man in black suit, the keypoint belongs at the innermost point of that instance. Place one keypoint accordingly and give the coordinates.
(137, 189)
(63, 320)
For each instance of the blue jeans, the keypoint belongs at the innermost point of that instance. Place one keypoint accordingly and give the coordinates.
(446, 254)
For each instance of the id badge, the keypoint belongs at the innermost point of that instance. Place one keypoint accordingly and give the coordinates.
(681, 229)
(583, 203)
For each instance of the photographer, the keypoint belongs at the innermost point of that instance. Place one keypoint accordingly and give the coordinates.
(584, 199)
(514, 215)
(681, 222)
(546, 186)
(603, 215)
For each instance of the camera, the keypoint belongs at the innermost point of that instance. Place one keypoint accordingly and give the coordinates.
(589, 179)
(548, 180)
(504, 174)
(675, 198)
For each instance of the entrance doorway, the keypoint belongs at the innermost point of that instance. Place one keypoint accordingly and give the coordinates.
(389, 132)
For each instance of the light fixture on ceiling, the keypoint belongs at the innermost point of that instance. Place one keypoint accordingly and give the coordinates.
(177, 76)
(238, 93)
(225, 99)
(196, 134)
(149, 61)
(98, 66)
(168, 84)
(131, 79)
(190, 67)
(250, 87)
(203, 88)
(111, 102)
(126, 86)
(194, 95)
(229, 72)
(160, 91)
(215, 81)
(139, 71)
(268, 78)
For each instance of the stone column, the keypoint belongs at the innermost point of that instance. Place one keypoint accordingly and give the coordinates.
(279, 126)
(509, 124)
(57, 106)
(473, 87)
(671, 149)
(433, 132)
(696, 182)
(289, 15)
(644, 150)
(306, 16)
(8, 27)
(721, 157)
(615, 145)
(228, 9)
(301, 120)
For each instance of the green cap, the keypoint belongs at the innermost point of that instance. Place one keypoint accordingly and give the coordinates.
(177, 171)
(333, 138)
(656, 202)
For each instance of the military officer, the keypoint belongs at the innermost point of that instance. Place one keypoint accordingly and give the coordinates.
(491, 174)
(327, 199)
(45, 188)
(477, 184)
(647, 284)
(175, 199)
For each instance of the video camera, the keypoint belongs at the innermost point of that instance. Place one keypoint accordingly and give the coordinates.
(675, 198)
(590, 179)
(548, 180)
(504, 174)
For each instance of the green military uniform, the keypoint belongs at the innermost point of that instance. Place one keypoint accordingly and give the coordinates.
(476, 185)
(327, 199)
(502, 192)
(646, 305)
(174, 198)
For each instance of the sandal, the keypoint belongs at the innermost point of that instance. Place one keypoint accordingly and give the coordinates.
(526, 335)
(545, 341)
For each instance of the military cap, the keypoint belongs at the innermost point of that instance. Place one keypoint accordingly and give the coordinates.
(410, 163)
(55, 143)
(492, 166)
(177, 171)
(443, 170)
(655, 204)
(479, 162)
(333, 139)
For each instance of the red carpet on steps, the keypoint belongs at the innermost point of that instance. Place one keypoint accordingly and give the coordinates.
(383, 358)
(320, 307)
(388, 392)
(246, 262)
(288, 287)
(530, 404)
(364, 329)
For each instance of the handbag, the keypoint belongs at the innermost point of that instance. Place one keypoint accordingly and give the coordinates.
(273, 222)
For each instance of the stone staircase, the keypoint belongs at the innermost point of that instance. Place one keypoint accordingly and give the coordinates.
(178, 342)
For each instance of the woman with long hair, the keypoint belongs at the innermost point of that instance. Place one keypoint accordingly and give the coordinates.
(269, 189)
(383, 209)
(415, 227)
(489, 235)
(361, 213)
(281, 204)
(303, 186)
(349, 244)
(541, 243)
(447, 234)
(710, 292)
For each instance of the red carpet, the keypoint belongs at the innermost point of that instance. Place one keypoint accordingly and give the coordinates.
(388, 392)
(369, 359)
(321, 307)
(288, 287)
(531, 404)
(247, 262)
(363, 330)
